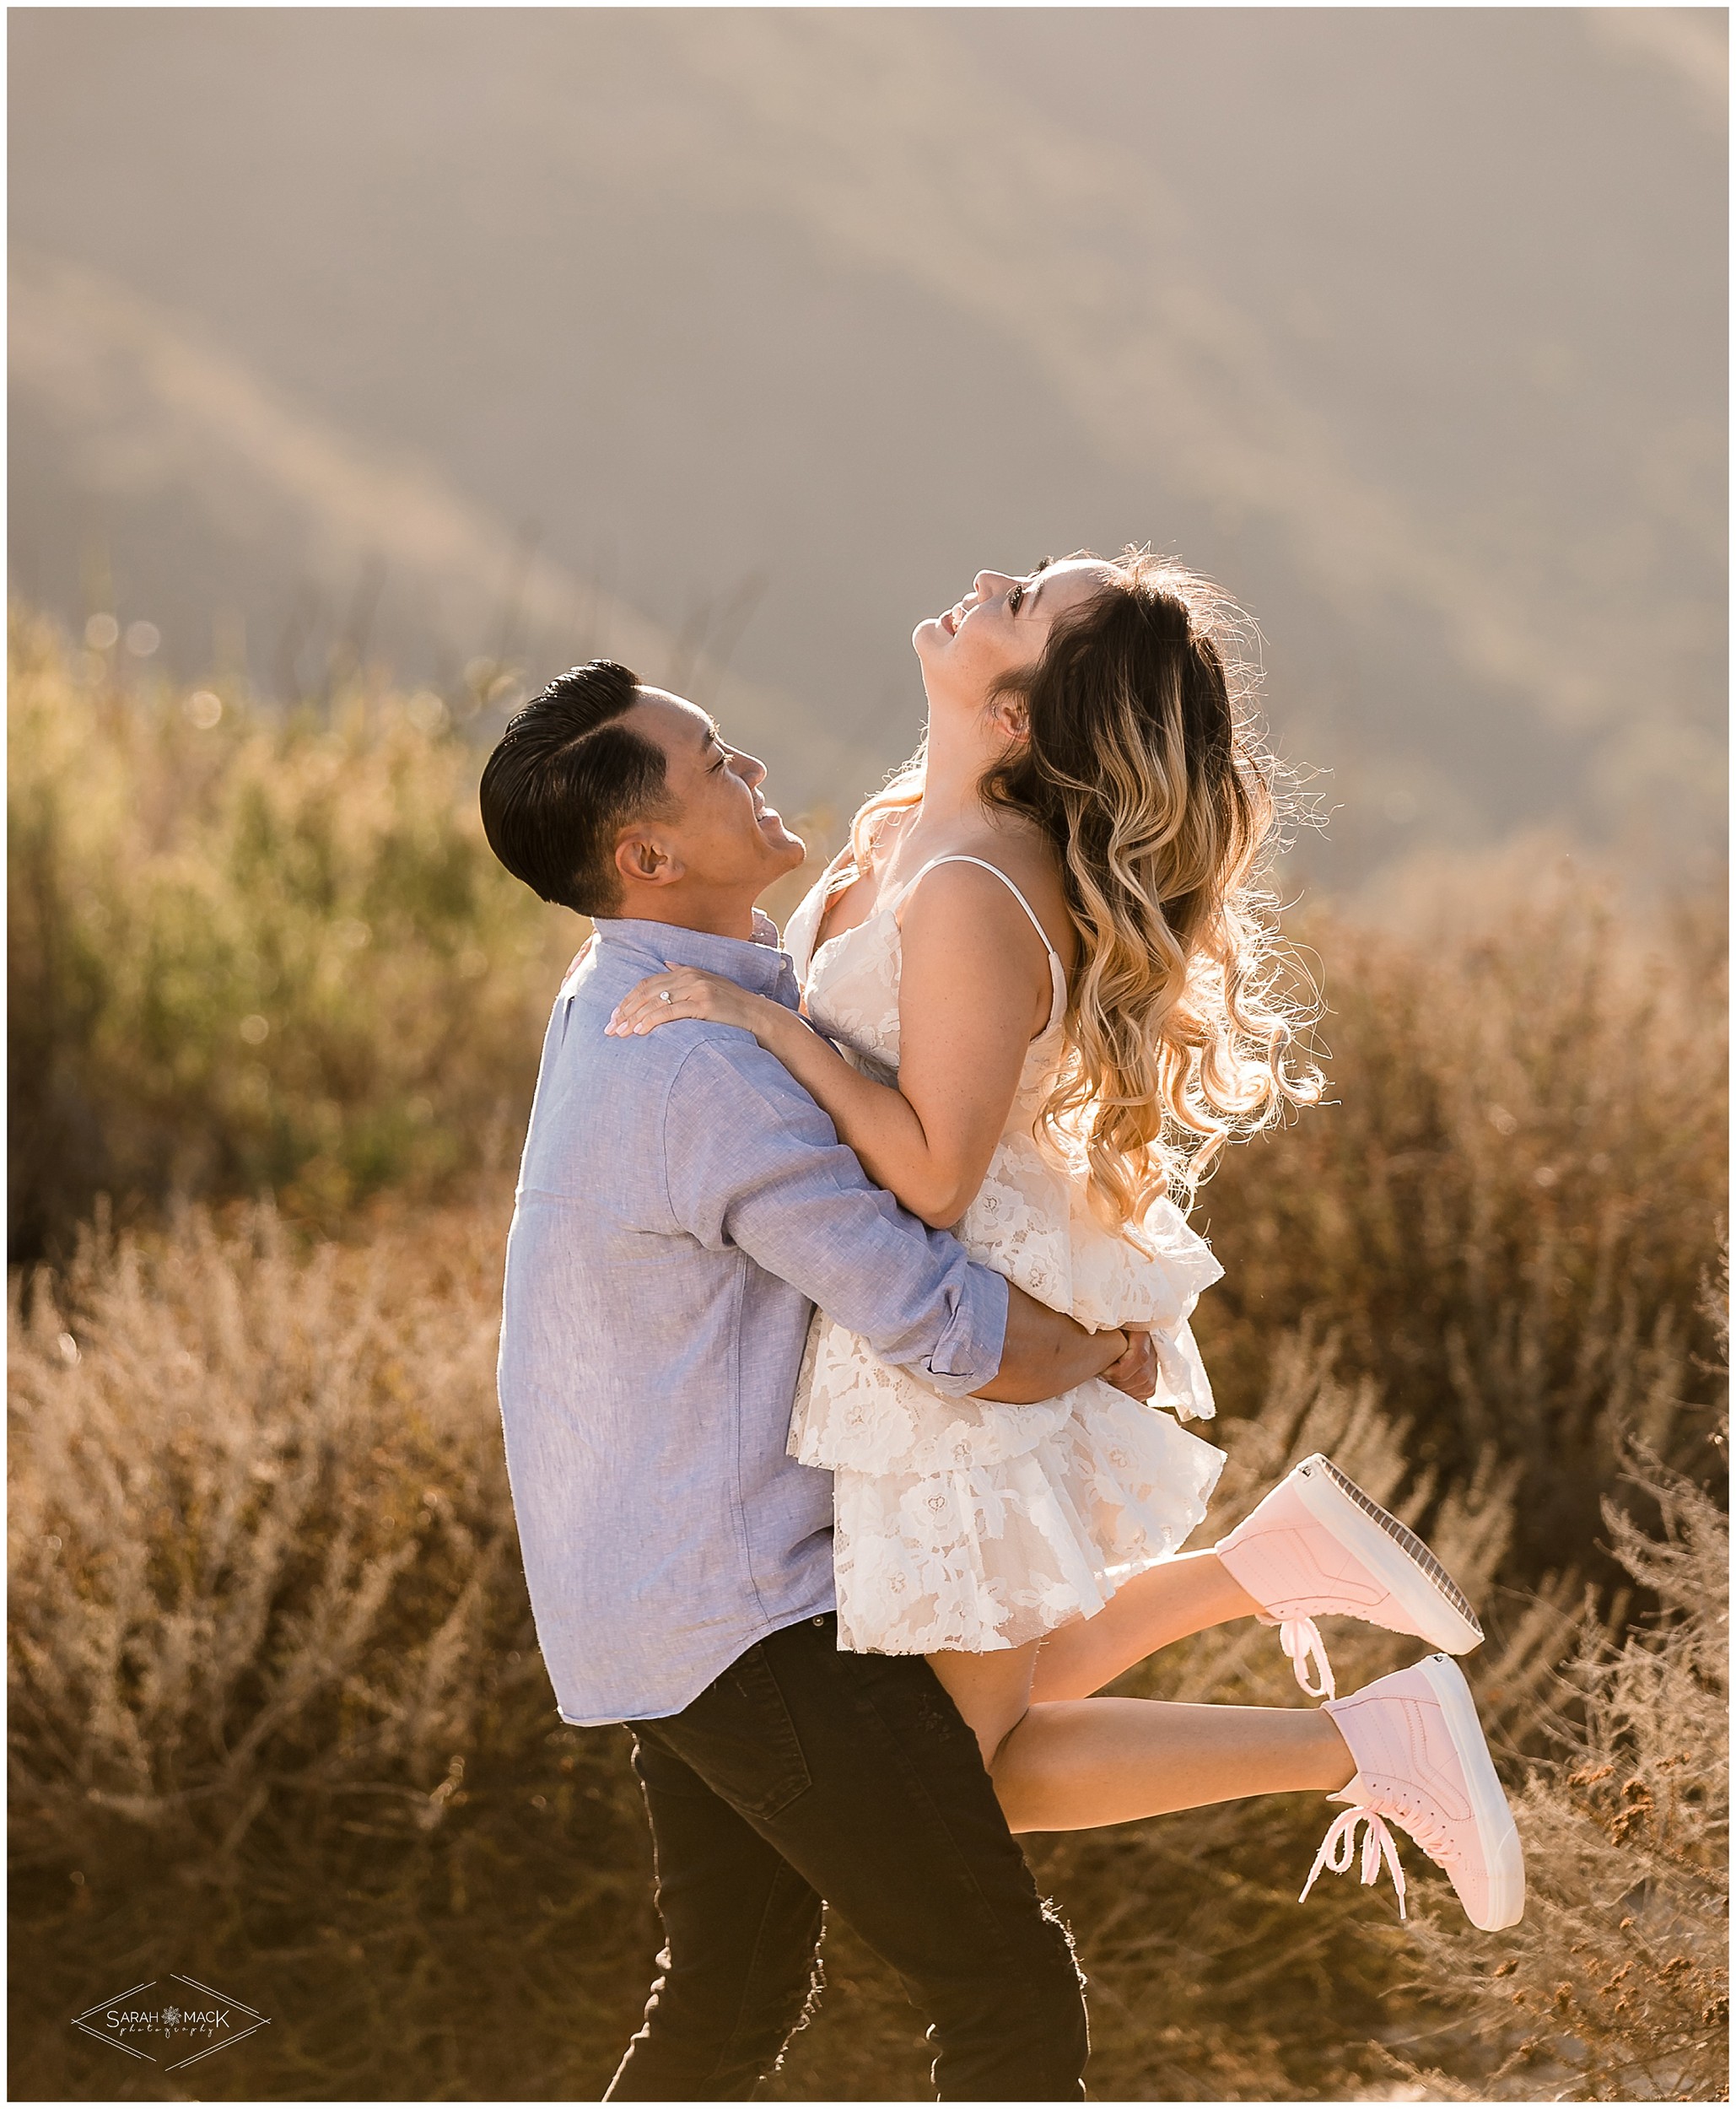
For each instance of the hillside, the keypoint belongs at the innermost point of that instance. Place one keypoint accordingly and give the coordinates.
(1408, 325)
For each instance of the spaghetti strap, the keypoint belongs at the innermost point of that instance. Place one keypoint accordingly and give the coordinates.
(1057, 972)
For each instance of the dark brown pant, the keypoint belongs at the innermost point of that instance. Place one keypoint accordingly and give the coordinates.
(803, 1773)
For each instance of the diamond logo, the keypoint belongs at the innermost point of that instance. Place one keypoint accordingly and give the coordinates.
(170, 2021)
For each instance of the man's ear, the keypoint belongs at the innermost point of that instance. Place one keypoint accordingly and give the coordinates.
(642, 860)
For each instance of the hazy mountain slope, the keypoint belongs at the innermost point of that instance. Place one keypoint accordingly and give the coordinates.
(220, 484)
(1408, 324)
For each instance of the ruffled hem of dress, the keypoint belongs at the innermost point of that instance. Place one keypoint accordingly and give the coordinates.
(983, 1558)
(854, 1413)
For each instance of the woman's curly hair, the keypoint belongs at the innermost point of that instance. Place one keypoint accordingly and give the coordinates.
(1145, 767)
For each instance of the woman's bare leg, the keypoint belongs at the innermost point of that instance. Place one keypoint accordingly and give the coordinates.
(1071, 1765)
(1078, 1763)
(991, 1691)
(1164, 1604)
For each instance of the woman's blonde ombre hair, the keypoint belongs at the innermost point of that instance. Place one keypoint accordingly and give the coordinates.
(1144, 766)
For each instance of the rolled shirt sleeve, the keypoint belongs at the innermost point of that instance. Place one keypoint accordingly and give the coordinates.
(752, 1162)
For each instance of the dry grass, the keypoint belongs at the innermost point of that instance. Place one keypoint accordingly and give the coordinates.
(276, 1706)
(275, 1679)
(273, 1673)
(1616, 1985)
(1508, 1212)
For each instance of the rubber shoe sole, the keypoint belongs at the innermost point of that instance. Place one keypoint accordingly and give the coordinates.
(1396, 1557)
(1496, 1831)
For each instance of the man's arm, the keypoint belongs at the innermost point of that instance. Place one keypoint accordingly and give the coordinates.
(752, 1161)
(1046, 1353)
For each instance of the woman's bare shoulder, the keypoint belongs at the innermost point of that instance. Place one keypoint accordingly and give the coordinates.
(958, 896)
(1029, 860)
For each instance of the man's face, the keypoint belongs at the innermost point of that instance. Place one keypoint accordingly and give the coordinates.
(720, 836)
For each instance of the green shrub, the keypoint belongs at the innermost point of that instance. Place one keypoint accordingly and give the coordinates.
(252, 953)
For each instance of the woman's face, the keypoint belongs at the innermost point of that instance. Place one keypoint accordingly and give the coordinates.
(999, 628)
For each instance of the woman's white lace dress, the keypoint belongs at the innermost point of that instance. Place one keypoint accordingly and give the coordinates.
(961, 1523)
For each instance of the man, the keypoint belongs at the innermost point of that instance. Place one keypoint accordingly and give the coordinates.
(682, 1206)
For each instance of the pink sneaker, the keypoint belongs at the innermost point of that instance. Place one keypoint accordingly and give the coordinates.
(1422, 1763)
(1319, 1544)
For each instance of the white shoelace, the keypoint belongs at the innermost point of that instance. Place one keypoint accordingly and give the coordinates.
(1338, 1849)
(1300, 1639)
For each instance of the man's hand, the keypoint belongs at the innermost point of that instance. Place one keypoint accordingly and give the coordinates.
(1046, 1352)
(1136, 1372)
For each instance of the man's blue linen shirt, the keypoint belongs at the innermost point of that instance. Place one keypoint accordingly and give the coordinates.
(682, 1204)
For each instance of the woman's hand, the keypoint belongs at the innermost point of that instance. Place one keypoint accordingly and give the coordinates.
(688, 992)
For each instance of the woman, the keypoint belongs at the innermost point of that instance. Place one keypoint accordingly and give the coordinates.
(1040, 955)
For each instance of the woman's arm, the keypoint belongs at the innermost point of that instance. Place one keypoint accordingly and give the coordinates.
(974, 987)
(873, 1118)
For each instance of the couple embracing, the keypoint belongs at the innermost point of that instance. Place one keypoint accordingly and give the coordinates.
(845, 1350)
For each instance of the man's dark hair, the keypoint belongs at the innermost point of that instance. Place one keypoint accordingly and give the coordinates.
(563, 781)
